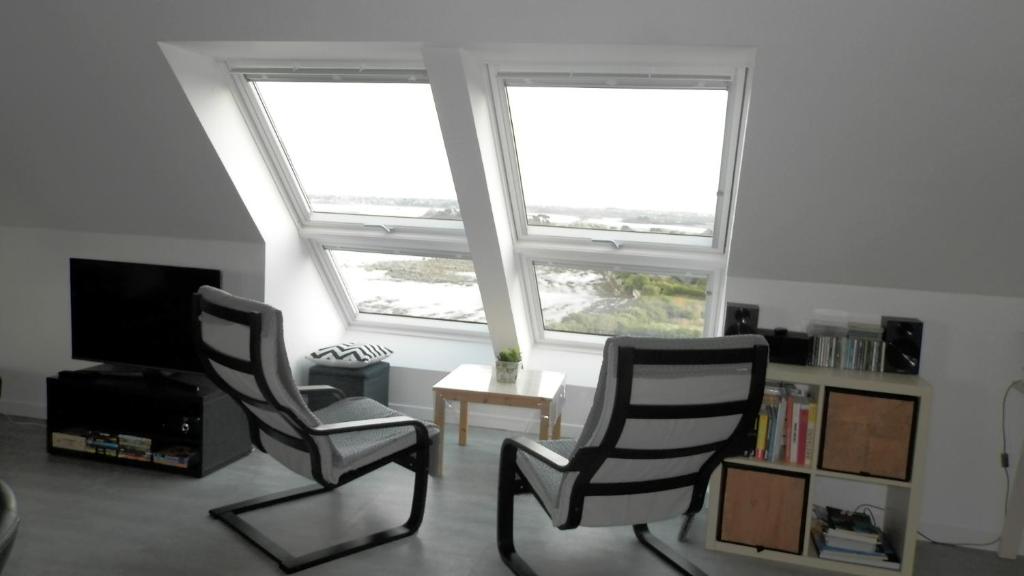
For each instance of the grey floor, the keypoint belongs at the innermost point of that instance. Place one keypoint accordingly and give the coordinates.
(88, 518)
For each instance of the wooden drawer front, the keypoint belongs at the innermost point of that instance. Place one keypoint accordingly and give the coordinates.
(868, 434)
(763, 509)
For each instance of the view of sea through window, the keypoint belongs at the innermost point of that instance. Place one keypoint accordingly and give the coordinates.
(414, 286)
(641, 160)
(616, 303)
(369, 148)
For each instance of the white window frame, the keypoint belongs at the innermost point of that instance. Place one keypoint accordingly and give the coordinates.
(352, 232)
(636, 252)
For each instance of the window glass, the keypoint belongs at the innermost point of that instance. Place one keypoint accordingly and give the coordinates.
(592, 300)
(644, 160)
(414, 286)
(371, 148)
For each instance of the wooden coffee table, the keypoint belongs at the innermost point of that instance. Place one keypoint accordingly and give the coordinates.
(539, 389)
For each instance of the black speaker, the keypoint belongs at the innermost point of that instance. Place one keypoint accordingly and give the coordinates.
(740, 318)
(902, 337)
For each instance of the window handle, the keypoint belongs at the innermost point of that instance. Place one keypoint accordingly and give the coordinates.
(387, 229)
(614, 243)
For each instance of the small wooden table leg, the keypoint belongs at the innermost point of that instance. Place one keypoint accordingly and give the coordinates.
(556, 433)
(545, 420)
(463, 422)
(439, 439)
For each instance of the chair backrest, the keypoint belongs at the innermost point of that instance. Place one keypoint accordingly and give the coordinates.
(8, 522)
(665, 413)
(241, 347)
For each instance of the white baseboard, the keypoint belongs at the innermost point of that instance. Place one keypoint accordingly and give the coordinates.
(484, 417)
(958, 535)
(27, 409)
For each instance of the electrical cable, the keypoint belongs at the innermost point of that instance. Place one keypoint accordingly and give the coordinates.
(1004, 463)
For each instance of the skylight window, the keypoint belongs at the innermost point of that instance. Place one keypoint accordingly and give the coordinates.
(362, 147)
(411, 286)
(620, 184)
(640, 160)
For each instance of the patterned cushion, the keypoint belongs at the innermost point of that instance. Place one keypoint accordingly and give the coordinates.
(349, 354)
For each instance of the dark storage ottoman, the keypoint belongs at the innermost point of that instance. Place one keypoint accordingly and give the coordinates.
(370, 381)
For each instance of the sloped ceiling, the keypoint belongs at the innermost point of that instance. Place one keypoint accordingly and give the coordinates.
(883, 146)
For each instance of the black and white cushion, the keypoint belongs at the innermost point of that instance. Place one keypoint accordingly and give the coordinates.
(350, 355)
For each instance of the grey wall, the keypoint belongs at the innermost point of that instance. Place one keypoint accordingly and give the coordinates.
(882, 147)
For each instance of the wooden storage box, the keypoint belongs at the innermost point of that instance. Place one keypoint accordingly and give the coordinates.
(868, 433)
(763, 508)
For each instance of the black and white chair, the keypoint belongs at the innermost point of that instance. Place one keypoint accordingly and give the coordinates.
(665, 414)
(242, 349)
(8, 522)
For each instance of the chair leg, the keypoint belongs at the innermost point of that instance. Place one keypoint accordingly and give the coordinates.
(665, 552)
(507, 488)
(685, 528)
(230, 515)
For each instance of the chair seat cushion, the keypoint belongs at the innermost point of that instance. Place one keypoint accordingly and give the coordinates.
(544, 479)
(357, 449)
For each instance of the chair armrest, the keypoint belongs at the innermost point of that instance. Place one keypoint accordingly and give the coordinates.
(537, 450)
(371, 424)
(309, 393)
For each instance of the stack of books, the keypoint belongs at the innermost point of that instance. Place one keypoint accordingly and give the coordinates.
(103, 443)
(786, 426)
(851, 537)
(138, 448)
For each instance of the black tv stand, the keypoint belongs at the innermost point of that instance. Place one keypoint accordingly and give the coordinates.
(88, 410)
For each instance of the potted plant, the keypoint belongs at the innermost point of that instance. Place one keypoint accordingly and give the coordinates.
(506, 367)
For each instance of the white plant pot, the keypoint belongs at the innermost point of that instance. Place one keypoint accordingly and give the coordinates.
(506, 372)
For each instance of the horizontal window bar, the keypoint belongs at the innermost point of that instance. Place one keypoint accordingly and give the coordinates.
(335, 75)
(628, 80)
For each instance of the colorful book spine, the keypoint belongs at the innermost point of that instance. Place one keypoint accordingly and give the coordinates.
(761, 448)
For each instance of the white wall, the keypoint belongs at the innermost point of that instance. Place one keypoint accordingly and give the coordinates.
(35, 309)
(292, 282)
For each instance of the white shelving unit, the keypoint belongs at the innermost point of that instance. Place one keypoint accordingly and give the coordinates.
(903, 498)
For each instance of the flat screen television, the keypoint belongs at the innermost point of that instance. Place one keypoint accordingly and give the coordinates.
(137, 315)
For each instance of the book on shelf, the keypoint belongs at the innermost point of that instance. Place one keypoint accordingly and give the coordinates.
(785, 426)
(851, 537)
(76, 439)
(176, 456)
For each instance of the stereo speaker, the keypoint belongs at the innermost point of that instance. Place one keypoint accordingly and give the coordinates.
(902, 337)
(740, 318)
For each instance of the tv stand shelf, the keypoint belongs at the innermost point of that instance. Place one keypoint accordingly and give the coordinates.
(186, 411)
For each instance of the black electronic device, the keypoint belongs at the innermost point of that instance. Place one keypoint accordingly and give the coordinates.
(787, 347)
(92, 414)
(740, 318)
(135, 314)
(902, 337)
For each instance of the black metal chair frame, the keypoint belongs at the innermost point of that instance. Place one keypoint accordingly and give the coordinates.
(415, 458)
(586, 461)
(8, 522)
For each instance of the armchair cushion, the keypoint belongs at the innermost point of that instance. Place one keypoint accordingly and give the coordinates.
(362, 447)
(542, 477)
